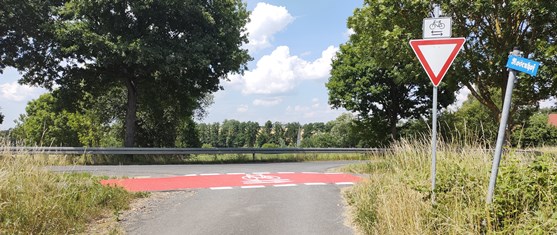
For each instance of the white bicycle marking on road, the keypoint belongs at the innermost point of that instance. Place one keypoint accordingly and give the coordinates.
(263, 179)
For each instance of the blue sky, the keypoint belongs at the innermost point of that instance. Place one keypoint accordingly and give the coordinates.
(292, 43)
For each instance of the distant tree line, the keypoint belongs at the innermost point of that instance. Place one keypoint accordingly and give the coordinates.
(342, 132)
(47, 122)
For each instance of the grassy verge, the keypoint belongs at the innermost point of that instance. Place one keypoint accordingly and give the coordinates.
(396, 198)
(35, 201)
(196, 158)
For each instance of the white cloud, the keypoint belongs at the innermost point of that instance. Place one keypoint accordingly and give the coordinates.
(242, 108)
(549, 103)
(349, 33)
(16, 92)
(280, 72)
(314, 112)
(319, 68)
(265, 21)
(267, 101)
(461, 96)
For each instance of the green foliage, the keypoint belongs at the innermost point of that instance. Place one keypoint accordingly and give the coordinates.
(188, 137)
(376, 75)
(22, 21)
(270, 146)
(231, 133)
(321, 140)
(36, 201)
(48, 122)
(1, 118)
(492, 29)
(470, 123)
(343, 132)
(396, 197)
(207, 146)
(526, 196)
(168, 55)
(45, 123)
(536, 132)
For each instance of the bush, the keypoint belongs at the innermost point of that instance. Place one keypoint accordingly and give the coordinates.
(207, 146)
(536, 132)
(526, 196)
(269, 146)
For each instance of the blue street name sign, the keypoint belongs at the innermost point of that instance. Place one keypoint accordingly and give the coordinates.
(523, 65)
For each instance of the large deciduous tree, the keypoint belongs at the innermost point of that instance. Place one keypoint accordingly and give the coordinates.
(167, 54)
(375, 74)
(492, 29)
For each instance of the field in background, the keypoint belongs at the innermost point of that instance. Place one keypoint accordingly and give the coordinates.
(36, 201)
(396, 198)
(193, 158)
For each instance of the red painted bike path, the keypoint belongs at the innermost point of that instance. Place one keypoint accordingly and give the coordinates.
(230, 180)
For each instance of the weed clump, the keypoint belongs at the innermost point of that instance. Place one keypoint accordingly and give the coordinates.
(36, 201)
(397, 197)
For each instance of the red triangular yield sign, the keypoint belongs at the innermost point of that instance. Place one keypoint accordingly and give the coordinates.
(437, 55)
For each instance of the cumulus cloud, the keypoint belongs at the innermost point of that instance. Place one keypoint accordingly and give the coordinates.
(267, 101)
(280, 71)
(16, 92)
(265, 21)
(314, 112)
(242, 108)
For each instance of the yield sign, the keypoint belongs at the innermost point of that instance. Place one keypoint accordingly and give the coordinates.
(437, 55)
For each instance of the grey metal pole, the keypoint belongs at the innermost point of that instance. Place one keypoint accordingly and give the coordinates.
(436, 13)
(501, 133)
(434, 144)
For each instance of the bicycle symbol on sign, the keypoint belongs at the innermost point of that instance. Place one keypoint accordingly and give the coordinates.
(437, 24)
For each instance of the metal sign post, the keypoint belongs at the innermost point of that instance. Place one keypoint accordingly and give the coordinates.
(434, 144)
(436, 52)
(514, 63)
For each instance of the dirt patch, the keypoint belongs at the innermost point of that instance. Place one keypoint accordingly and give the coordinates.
(140, 209)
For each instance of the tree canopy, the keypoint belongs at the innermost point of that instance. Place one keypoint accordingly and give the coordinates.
(168, 55)
(375, 73)
(492, 30)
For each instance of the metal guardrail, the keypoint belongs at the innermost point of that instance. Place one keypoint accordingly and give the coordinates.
(184, 151)
(210, 151)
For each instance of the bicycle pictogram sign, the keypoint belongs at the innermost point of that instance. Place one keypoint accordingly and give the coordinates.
(437, 24)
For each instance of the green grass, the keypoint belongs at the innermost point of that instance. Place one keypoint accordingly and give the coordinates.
(36, 201)
(396, 198)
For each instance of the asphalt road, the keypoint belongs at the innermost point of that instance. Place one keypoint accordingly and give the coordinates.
(301, 209)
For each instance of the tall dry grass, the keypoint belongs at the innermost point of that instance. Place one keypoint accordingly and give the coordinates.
(36, 201)
(396, 199)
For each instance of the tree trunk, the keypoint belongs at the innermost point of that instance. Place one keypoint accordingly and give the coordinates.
(131, 114)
